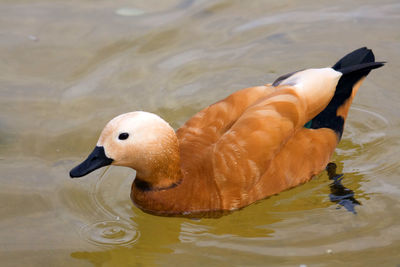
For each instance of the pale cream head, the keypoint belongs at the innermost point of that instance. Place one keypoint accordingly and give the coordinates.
(150, 142)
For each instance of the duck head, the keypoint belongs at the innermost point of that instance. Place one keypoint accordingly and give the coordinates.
(139, 140)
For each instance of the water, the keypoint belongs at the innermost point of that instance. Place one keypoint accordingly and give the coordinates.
(67, 67)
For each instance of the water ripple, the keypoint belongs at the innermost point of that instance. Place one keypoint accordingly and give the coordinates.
(109, 233)
(118, 229)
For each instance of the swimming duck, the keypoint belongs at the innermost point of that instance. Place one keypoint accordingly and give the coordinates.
(253, 144)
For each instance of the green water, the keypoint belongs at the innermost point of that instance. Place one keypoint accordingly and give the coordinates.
(68, 67)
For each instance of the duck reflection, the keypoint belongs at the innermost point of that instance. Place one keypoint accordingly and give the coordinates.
(339, 193)
(163, 237)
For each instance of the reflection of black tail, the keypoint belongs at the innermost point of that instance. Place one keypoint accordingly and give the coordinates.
(354, 66)
(340, 194)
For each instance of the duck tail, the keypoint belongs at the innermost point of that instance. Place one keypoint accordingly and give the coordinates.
(355, 66)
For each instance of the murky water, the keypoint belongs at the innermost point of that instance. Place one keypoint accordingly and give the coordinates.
(67, 67)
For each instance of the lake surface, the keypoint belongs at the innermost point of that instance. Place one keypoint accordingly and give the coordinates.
(68, 67)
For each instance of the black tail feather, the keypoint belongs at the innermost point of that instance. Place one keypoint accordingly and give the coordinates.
(354, 66)
(361, 67)
(358, 56)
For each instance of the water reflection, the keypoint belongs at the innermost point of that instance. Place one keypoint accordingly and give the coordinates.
(259, 229)
(339, 193)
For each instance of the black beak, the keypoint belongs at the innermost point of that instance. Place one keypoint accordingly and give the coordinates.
(95, 160)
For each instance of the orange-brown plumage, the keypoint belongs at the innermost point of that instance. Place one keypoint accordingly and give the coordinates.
(249, 146)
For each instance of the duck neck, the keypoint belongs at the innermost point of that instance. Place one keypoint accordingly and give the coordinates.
(161, 170)
(165, 176)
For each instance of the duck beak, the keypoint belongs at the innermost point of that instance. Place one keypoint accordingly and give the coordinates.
(95, 160)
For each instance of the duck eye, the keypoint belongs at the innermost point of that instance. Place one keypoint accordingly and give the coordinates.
(123, 136)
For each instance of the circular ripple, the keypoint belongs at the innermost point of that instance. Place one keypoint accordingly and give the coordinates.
(365, 126)
(365, 146)
(111, 194)
(110, 233)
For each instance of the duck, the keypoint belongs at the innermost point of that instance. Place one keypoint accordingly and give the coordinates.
(255, 143)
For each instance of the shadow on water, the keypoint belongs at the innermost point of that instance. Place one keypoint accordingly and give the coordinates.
(339, 193)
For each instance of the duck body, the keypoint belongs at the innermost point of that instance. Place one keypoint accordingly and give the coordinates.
(255, 143)
(231, 172)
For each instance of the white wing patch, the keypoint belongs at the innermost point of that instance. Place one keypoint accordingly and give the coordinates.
(315, 86)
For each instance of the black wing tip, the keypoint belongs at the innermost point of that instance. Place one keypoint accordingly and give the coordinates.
(360, 59)
(354, 67)
(361, 67)
(357, 57)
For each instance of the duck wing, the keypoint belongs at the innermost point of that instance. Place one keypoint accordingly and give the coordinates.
(253, 158)
(205, 128)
